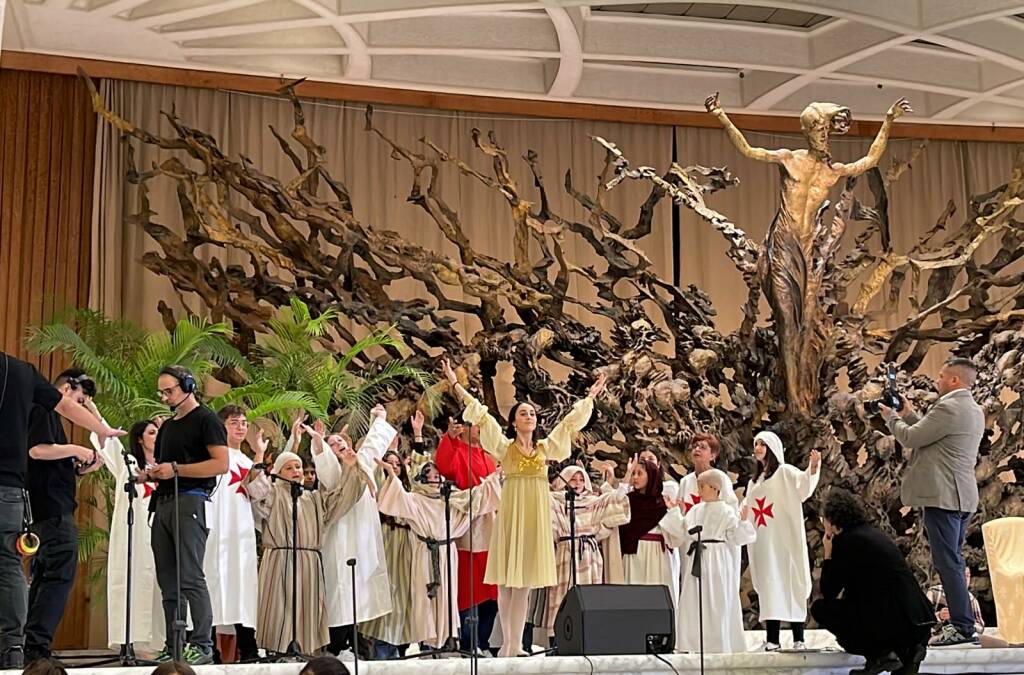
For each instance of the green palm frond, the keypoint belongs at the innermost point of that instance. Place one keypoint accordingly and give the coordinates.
(383, 338)
(91, 538)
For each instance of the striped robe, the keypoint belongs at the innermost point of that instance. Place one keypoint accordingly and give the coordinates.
(317, 510)
(596, 518)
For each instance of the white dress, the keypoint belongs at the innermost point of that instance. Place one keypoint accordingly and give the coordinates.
(720, 566)
(646, 563)
(779, 565)
(148, 630)
(230, 562)
(357, 534)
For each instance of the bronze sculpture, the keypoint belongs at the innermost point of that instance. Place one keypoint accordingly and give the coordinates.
(793, 272)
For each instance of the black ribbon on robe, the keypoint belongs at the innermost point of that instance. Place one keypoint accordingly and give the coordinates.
(696, 550)
(434, 547)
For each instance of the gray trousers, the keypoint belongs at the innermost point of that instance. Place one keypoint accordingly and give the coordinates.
(13, 587)
(195, 595)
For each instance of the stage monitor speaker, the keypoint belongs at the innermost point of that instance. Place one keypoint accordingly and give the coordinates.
(615, 619)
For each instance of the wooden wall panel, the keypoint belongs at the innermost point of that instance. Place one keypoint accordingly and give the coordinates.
(47, 153)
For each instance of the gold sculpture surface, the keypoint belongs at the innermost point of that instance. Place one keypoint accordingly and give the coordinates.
(792, 271)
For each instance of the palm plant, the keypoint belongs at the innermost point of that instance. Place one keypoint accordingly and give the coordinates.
(297, 355)
(125, 361)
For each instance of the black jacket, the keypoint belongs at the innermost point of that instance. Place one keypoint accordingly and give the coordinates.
(878, 587)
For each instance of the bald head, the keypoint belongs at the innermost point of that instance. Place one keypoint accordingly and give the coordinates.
(956, 373)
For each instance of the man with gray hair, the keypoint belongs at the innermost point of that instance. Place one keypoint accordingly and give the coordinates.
(940, 479)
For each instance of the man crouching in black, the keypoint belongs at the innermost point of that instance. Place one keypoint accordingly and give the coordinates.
(882, 615)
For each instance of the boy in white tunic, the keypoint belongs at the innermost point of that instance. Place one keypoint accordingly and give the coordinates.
(230, 562)
(724, 530)
(357, 534)
(779, 565)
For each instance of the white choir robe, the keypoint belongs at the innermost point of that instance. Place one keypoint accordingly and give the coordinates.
(230, 562)
(148, 632)
(423, 512)
(357, 534)
(720, 567)
(779, 565)
(645, 565)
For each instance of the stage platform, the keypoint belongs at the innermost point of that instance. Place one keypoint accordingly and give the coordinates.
(947, 661)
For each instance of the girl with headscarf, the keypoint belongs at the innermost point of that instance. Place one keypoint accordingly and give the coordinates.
(521, 556)
(711, 571)
(272, 501)
(596, 517)
(779, 565)
(646, 554)
(433, 552)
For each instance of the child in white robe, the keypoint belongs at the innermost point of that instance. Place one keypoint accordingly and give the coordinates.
(779, 565)
(646, 554)
(717, 591)
(230, 563)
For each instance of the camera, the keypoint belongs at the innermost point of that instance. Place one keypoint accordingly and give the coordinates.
(890, 394)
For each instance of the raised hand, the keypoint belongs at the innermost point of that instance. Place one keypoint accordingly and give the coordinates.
(379, 411)
(632, 464)
(712, 105)
(387, 467)
(319, 428)
(900, 108)
(297, 423)
(598, 387)
(449, 372)
(815, 462)
(260, 445)
(416, 422)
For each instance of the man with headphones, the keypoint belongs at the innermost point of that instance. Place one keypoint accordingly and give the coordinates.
(53, 469)
(191, 451)
(21, 388)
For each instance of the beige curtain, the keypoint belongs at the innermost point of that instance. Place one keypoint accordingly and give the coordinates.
(379, 186)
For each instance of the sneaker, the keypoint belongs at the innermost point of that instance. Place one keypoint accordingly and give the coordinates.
(768, 647)
(13, 659)
(33, 654)
(163, 656)
(197, 656)
(951, 637)
(800, 644)
(883, 663)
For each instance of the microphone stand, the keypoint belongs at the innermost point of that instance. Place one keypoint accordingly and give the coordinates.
(127, 657)
(351, 562)
(292, 651)
(570, 507)
(473, 620)
(179, 628)
(451, 642)
(700, 589)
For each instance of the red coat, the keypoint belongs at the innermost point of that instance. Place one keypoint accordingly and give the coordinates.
(464, 466)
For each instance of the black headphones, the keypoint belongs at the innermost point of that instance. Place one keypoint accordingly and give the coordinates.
(185, 379)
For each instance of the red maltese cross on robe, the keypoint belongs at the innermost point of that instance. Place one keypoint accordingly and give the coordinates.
(689, 504)
(762, 511)
(149, 488)
(237, 477)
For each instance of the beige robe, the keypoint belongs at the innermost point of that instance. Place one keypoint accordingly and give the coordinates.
(317, 510)
(423, 511)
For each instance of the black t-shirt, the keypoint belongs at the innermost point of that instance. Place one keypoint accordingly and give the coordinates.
(21, 387)
(186, 441)
(51, 482)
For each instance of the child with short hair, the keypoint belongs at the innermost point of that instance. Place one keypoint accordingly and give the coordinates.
(711, 569)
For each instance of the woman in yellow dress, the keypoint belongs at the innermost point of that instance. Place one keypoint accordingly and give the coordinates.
(522, 556)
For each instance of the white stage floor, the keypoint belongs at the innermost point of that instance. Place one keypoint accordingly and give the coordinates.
(949, 661)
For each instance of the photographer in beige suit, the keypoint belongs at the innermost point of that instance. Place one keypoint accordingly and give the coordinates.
(940, 479)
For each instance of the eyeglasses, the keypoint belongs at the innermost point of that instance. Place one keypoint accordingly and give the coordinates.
(167, 391)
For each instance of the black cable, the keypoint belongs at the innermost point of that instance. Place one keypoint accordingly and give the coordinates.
(592, 663)
(657, 656)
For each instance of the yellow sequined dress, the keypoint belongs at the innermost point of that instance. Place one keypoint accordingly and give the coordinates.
(522, 552)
